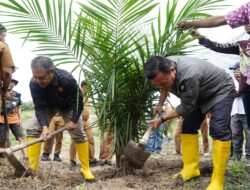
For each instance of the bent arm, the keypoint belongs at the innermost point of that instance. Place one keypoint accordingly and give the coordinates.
(229, 48)
(214, 21)
(211, 22)
(163, 96)
(40, 105)
(170, 115)
(77, 98)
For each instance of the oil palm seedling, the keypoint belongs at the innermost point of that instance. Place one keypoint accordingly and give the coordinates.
(108, 42)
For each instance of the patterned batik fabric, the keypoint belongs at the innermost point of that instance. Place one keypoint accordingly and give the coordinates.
(239, 17)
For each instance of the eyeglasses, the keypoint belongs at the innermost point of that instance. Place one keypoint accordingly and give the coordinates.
(42, 78)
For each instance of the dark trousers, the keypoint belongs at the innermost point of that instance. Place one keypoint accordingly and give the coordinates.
(246, 103)
(219, 122)
(239, 128)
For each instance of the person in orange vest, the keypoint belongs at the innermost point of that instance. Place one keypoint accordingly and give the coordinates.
(13, 106)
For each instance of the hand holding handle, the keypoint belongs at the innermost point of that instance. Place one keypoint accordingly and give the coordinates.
(10, 150)
(144, 139)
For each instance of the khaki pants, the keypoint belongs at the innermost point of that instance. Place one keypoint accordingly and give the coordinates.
(91, 143)
(204, 133)
(89, 134)
(106, 146)
(76, 134)
(56, 122)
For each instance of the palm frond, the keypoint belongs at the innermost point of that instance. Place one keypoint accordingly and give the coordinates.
(49, 23)
(165, 39)
(107, 43)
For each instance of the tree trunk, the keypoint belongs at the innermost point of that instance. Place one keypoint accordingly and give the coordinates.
(123, 165)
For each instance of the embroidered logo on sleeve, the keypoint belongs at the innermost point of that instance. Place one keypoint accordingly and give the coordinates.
(182, 87)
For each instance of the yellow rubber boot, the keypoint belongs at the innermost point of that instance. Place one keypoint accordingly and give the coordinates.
(190, 155)
(220, 154)
(33, 153)
(83, 155)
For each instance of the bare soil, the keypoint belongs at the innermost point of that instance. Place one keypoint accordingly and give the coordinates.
(157, 174)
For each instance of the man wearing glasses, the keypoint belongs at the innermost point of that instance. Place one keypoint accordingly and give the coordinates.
(54, 91)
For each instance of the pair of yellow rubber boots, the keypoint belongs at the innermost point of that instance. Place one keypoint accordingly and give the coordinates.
(83, 155)
(190, 153)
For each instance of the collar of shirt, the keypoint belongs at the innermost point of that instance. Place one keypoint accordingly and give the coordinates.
(55, 81)
(181, 74)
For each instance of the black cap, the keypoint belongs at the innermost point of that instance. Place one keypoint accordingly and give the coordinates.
(2, 28)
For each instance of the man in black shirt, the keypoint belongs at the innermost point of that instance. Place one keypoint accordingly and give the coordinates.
(56, 91)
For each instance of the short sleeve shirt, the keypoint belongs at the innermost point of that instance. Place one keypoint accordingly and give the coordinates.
(239, 17)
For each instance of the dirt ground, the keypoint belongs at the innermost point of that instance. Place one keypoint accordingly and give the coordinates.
(156, 174)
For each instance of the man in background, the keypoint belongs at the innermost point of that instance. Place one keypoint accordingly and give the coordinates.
(56, 123)
(7, 67)
(238, 121)
(88, 131)
(13, 107)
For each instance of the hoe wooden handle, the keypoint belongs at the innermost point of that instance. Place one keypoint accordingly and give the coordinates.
(144, 139)
(10, 150)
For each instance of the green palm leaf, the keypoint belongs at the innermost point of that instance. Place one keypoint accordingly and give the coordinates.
(49, 23)
(165, 39)
(107, 42)
(123, 87)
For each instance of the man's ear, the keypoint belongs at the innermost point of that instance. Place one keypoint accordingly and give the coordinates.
(173, 69)
(52, 72)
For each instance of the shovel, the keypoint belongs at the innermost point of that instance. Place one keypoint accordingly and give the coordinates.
(136, 152)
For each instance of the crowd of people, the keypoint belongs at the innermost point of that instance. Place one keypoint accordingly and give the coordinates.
(211, 100)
